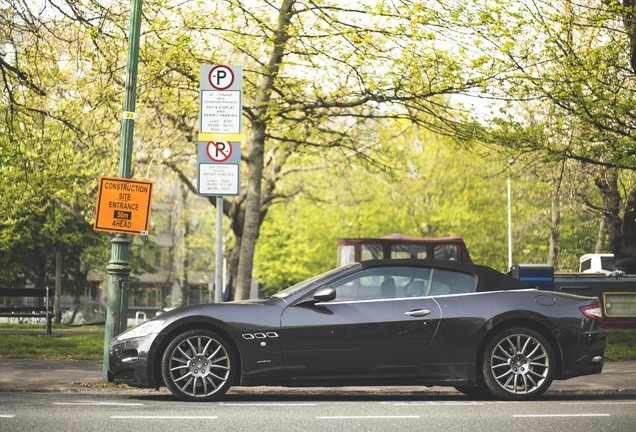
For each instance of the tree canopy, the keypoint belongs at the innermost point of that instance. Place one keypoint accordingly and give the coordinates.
(349, 110)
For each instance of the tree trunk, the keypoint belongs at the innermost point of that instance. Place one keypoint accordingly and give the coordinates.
(58, 285)
(600, 245)
(185, 261)
(608, 186)
(255, 159)
(555, 231)
(251, 226)
(627, 247)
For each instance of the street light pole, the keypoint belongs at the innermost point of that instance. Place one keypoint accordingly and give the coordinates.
(119, 266)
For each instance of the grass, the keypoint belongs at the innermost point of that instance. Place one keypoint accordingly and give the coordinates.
(25, 341)
(622, 345)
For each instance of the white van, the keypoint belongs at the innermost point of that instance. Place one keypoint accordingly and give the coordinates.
(597, 263)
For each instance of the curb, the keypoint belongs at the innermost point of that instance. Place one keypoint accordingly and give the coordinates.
(42, 376)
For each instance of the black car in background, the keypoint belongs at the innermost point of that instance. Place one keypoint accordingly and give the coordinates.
(389, 322)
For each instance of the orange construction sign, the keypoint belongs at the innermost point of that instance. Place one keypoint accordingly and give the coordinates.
(123, 205)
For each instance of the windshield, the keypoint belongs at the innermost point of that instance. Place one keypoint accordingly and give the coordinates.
(301, 285)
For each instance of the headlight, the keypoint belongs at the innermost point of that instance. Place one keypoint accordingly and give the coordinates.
(141, 330)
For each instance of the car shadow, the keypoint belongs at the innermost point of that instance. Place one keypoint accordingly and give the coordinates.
(276, 394)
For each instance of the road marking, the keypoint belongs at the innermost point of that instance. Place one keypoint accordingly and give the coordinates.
(365, 417)
(7, 415)
(143, 417)
(559, 415)
(435, 403)
(266, 404)
(600, 403)
(99, 403)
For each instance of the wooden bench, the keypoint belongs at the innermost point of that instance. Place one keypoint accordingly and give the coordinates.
(27, 303)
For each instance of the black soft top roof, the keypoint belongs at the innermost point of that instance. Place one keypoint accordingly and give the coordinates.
(488, 279)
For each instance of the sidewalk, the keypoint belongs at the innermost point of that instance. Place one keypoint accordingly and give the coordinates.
(75, 376)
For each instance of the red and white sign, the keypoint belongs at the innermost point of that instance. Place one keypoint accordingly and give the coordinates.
(219, 151)
(221, 77)
(221, 102)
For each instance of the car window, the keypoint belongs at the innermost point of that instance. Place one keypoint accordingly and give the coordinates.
(382, 283)
(399, 251)
(445, 252)
(450, 282)
(302, 285)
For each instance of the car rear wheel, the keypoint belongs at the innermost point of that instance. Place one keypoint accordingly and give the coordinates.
(518, 364)
(198, 365)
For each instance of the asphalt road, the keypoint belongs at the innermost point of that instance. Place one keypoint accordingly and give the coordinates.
(68, 396)
(117, 411)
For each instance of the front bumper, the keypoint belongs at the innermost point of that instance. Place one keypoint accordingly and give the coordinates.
(128, 362)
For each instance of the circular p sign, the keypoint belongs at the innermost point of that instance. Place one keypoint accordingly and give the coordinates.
(221, 77)
(219, 151)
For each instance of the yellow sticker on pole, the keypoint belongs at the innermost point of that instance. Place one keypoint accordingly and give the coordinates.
(123, 205)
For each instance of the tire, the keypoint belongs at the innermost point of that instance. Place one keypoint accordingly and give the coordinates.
(518, 364)
(199, 366)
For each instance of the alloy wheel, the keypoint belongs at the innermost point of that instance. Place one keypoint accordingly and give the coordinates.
(197, 366)
(518, 364)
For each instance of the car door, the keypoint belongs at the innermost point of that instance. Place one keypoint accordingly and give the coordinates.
(379, 324)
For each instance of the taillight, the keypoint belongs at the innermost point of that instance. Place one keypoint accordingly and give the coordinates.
(593, 311)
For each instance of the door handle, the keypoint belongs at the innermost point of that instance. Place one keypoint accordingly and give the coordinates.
(418, 312)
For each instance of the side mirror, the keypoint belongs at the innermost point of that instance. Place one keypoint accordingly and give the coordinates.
(324, 294)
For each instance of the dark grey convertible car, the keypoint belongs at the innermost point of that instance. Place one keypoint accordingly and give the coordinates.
(397, 322)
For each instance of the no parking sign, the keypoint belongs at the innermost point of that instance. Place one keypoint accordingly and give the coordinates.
(218, 171)
(219, 151)
(219, 148)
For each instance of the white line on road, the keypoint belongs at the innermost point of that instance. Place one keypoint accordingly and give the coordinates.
(559, 415)
(99, 403)
(600, 403)
(365, 417)
(435, 403)
(145, 417)
(266, 404)
(7, 415)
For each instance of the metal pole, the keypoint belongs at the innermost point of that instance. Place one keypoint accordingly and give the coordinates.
(119, 267)
(218, 270)
(509, 225)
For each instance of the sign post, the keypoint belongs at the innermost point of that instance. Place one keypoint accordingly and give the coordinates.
(119, 266)
(219, 147)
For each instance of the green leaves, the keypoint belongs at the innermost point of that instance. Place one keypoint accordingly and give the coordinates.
(330, 100)
(52, 146)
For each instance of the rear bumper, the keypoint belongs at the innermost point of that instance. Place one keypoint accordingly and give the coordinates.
(586, 356)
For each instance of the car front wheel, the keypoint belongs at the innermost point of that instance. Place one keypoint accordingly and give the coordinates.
(198, 365)
(518, 364)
